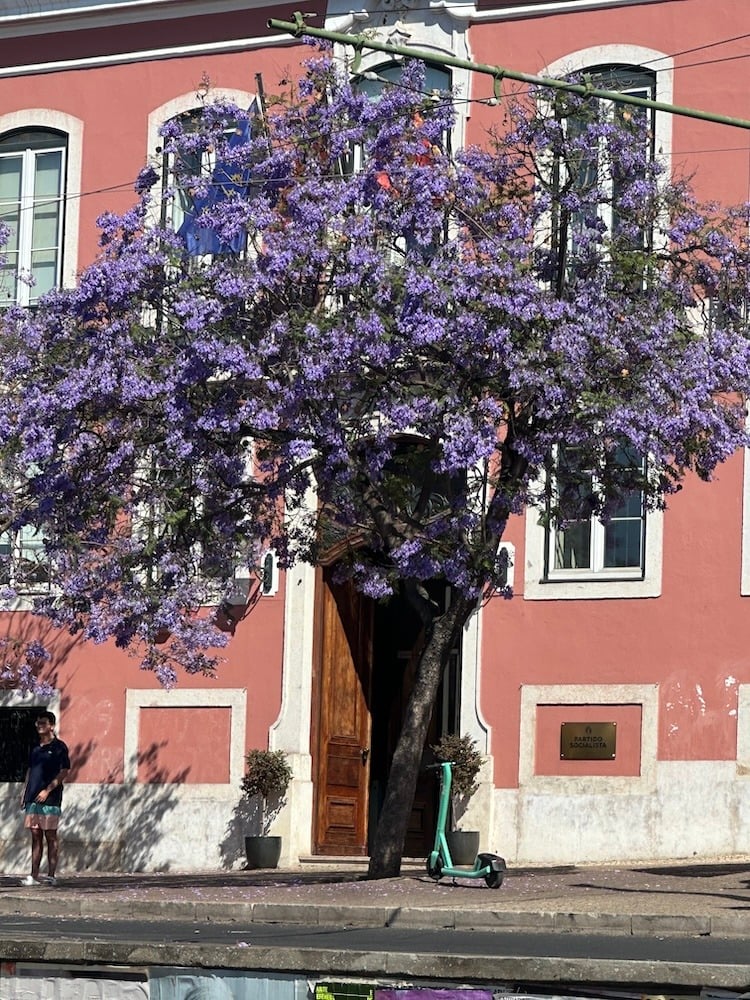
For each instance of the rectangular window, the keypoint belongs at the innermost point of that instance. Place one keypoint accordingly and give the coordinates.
(591, 172)
(31, 190)
(23, 562)
(583, 545)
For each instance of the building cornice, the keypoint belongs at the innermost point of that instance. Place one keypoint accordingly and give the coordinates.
(535, 8)
(356, 19)
(72, 15)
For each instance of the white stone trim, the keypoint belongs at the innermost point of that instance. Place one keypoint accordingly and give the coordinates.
(745, 563)
(532, 695)
(468, 11)
(472, 721)
(234, 699)
(419, 28)
(73, 128)
(743, 730)
(15, 698)
(148, 55)
(292, 729)
(81, 14)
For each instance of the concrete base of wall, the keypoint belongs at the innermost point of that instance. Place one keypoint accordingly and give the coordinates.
(688, 809)
(693, 809)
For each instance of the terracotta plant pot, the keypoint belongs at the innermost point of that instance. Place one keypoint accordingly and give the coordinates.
(262, 852)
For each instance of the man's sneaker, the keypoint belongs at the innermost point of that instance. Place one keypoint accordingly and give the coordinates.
(30, 880)
(49, 879)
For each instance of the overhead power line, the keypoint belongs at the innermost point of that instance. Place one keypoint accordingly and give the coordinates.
(299, 28)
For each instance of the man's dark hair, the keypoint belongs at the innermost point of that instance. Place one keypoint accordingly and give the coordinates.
(49, 716)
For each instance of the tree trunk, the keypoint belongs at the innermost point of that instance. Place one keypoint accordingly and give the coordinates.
(390, 836)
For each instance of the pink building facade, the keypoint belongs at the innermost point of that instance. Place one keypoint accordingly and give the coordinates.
(646, 659)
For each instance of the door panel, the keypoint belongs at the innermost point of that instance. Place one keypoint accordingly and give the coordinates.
(343, 747)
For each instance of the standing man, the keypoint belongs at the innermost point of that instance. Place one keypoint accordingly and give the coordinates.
(49, 764)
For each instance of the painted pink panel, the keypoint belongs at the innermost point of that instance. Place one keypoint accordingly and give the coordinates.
(627, 761)
(186, 745)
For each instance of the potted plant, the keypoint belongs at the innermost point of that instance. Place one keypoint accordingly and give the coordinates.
(267, 777)
(462, 752)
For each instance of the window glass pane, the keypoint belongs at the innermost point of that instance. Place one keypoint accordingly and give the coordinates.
(623, 544)
(47, 175)
(45, 223)
(631, 506)
(32, 564)
(573, 546)
(44, 226)
(10, 179)
(10, 196)
(32, 138)
(434, 79)
(44, 272)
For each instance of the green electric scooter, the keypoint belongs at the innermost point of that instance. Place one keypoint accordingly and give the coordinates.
(490, 867)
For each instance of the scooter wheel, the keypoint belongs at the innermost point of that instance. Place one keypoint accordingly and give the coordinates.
(435, 870)
(494, 879)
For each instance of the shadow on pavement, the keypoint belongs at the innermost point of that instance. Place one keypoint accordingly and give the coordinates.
(158, 880)
(697, 871)
(651, 891)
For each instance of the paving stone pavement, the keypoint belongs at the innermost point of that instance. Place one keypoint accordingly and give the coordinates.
(686, 897)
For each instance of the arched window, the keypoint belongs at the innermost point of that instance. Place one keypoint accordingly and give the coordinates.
(32, 185)
(436, 80)
(182, 207)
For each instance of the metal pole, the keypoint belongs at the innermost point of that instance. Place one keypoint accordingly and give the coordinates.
(298, 28)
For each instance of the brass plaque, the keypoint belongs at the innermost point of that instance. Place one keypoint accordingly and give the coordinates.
(588, 740)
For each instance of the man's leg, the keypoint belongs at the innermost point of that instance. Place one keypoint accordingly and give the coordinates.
(36, 851)
(52, 851)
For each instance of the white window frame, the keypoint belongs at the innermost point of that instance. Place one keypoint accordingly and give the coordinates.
(50, 120)
(590, 584)
(597, 548)
(20, 290)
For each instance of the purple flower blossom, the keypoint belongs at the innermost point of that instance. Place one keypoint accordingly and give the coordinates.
(410, 339)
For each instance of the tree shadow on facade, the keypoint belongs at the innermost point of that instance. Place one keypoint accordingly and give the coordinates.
(114, 825)
(245, 821)
(21, 631)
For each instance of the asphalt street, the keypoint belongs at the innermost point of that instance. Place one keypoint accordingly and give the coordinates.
(471, 942)
(652, 963)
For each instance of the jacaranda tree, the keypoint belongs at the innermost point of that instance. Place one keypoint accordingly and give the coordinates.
(361, 342)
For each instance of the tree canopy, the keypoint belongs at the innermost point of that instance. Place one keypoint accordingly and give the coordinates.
(374, 365)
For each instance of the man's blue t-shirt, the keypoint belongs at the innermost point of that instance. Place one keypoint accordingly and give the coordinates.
(45, 763)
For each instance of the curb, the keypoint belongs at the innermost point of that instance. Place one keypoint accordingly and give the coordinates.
(315, 963)
(403, 917)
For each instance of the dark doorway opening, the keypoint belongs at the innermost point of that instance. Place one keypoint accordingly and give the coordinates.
(397, 637)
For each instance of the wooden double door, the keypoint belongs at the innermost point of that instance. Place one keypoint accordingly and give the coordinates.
(364, 663)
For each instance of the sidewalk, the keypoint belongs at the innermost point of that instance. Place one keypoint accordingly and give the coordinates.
(710, 898)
